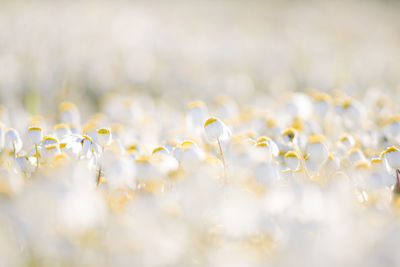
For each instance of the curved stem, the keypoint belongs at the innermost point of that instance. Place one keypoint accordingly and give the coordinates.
(222, 156)
(98, 177)
(302, 161)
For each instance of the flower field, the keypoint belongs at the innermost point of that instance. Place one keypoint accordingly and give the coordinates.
(232, 133)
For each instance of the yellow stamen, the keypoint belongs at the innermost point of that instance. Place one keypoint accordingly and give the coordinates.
(34, 128)
(103, 131)
(362, 164)
(49, 147)
(187, 143)
(61, 126)
(316, 138)
(158, 149)
(49, 137)
(197, 103)
(209, 121)
(66, 106)
(291, 154)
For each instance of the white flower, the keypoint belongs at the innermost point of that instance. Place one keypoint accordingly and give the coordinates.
(188, 153)
(347, 141)
(49, 140)
(104, 136)
(71, 145)
(50, 151)
(379, 176)
(290, 135)
(196, 115)
(322, 104)
(24, 164)
(62, 130)
(69, 113)
(292, 160)
(35, 134)
(12, 140)
(392, 155)
(262, 152)
(272, 146)
(87, 147)
(356, 155)
(215, 130)
(317, 150)
(392, 129)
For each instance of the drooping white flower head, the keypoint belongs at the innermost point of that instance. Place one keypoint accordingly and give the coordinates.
(50, 151)
(62, 130)
(272, 146)
(23, 164)
(356, 155)
(379, 175)
(322, 104)
(292, 160)
(392, 127)
(262, 151)
(71, 144)
(290, 135)
(69, 113)
(12, 140)
(87, 146)
(316, 149)
(347, 141)
(104, 136)
(49, 140)
(215, 129)
(35, 133)
(196, 115)
(392, 156)
(188, 153)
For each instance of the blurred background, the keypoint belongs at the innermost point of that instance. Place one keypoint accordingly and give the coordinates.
(184, 50)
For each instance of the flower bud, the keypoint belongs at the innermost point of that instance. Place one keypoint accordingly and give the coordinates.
(35, 134)
(392, 155)
(23, 164)
(316, 149)
(62, 130)
(292, 160)
(12, 140)
(49, 140)
(216, 129)
(289, 135)
(104, 136)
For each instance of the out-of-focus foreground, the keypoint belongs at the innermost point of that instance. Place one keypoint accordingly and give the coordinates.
(199, 134)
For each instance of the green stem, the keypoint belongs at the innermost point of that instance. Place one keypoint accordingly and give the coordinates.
(37, 157)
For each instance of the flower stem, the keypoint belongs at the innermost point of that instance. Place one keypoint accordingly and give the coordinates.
(397, 186)
(302, 161)
(222, 156)
(37, 158)
(98, 178)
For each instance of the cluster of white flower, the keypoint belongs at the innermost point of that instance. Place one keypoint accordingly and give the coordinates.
(312, 176)
(220, 133)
